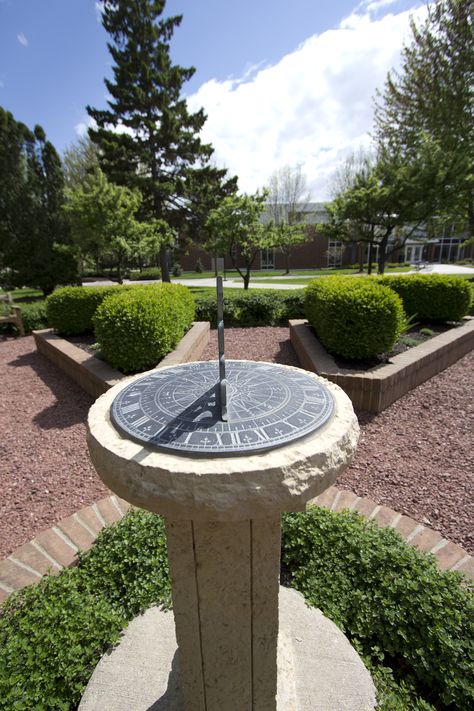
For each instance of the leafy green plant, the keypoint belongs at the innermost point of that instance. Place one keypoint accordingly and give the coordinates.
(432, 297)
(177, 270)
(34, 317)
(393, 603)
(252, 308)
(411, 622)
(137, 327)
(427, 332)
(148, 273)
(354, 318)
(70, 309)
(199, 267)
(52, 635)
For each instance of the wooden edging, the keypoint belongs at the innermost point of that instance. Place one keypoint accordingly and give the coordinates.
(374, 391)
(94, 375)
(57, 547)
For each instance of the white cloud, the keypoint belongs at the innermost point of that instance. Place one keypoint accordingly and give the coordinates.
(82, 127)
(312, 108)
(22, 39)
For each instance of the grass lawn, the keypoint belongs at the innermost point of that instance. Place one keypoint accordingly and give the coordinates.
(25, 294)
(309, 273)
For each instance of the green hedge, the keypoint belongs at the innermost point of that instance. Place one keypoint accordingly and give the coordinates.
(34, 317)
(411, 622)
(70, 309)
(432, 297)
(354, 317)
(147, 273)
(136, 328)
(254, 308)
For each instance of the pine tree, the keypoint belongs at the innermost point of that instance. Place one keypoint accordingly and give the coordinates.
(147, 137)
(432, 96)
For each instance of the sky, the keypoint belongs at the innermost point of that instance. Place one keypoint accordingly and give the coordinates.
(282, 83)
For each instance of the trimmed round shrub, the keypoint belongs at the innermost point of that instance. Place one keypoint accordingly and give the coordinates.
(432, 297)
(354, 318)
(70, 309)
(136, 328)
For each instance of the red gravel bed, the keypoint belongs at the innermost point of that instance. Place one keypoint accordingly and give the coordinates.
(415, 457)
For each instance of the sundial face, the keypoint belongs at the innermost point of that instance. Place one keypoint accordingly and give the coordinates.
(178, 409)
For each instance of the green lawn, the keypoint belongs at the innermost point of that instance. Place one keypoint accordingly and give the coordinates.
(24, 294)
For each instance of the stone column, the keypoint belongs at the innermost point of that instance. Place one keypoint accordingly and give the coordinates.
(225, 602)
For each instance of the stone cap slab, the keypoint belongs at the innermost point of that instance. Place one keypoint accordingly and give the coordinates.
(230, 488)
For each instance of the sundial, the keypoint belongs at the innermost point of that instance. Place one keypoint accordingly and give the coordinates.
(223, 408)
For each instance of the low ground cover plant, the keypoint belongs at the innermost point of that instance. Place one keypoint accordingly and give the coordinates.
(432, 297)
(355, 319)
(411, 622)
(262, 307)
(136, 328)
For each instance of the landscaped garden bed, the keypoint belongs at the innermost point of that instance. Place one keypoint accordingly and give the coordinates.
(411, 623)
(374, 389)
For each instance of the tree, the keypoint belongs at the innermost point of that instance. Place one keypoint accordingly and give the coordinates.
(433, 96)
(34, 236)
(236, 227)
(390, 200)
(148, 139)
(103, 222)
(288, 198)
(80, 160)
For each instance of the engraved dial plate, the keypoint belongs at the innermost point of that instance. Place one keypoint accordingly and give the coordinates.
(177, 409)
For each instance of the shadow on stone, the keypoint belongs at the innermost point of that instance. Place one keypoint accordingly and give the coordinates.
(172, 699)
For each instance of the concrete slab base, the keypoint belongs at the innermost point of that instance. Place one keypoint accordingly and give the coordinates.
(318, 669)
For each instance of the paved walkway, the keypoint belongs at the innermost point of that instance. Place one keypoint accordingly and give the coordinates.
(58, 546)
(235, 282)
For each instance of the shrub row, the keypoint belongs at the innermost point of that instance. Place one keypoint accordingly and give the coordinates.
(34, 317)
(137, 327)
(432, 297)
(411, 622)
(147, 273)
(254, 308)
(354, 318)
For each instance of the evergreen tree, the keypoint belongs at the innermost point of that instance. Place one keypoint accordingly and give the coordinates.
(34, 239)
(80, 160)
(432, 96)
(147, 137)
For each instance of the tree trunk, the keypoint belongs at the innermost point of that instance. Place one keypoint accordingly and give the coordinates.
(165, 271)
(382, 254)
(369, 258)
(246, 279)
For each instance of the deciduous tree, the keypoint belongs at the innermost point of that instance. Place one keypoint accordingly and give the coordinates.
(235, 228)
(34, 237)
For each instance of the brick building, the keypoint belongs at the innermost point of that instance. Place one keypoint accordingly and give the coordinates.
(321, 252)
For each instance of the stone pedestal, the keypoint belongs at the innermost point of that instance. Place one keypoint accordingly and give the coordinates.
(223, 529)
(225, 603)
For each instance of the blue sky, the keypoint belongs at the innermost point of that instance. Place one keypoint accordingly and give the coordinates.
(281, 83)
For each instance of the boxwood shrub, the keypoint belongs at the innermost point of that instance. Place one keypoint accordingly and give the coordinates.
(354, 317)
(71, 308)
(135, 328)
(432, 297)
(252, 308)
